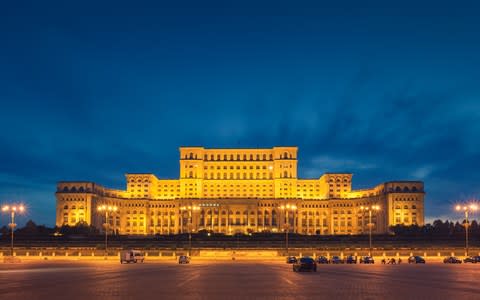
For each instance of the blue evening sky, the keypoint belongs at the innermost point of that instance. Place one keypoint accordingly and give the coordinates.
(388, 90)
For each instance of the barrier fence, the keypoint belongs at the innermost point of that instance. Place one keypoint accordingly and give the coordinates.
(221, 253)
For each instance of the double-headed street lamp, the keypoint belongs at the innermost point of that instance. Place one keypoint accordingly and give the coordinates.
(467, 209)
(189, 208)
(287, 208)
(370, 209)
(12, 209)
(107, 209)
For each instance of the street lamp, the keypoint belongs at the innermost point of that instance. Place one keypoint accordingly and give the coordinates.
(107, 209)
(287, 208)
(467, 209)
(370, 224)
(12, 209)
(189, 208)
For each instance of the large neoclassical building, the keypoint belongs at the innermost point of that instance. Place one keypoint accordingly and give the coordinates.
(241, 190)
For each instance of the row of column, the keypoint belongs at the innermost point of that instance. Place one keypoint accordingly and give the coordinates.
(263, 221)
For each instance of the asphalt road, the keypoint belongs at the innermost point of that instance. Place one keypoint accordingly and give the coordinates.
(235, 280)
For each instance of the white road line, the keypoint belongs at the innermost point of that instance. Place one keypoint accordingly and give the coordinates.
(287, 280)
(188, 280)
(40, 270)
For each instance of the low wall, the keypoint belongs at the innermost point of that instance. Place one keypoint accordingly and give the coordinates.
(219, 254)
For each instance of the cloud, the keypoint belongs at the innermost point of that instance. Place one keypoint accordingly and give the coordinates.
(321, 164)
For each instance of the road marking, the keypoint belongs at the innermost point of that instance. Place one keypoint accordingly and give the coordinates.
(287, 281)
(40, 270)
(188, 280)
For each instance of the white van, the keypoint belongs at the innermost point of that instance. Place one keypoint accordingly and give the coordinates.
(129, 256)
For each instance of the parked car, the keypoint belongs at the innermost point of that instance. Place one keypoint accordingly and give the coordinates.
(291, 259)
(416, 260)
(322, 260)
(305, 264)
(131, 256)
(472, 259)
(351, 259)
(336, 260)
(183, 259)
(452, 260)
(366, 260)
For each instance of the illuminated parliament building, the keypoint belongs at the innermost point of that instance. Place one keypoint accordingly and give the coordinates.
(240, 190)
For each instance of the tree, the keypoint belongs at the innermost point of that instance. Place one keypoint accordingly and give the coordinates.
(81, 228)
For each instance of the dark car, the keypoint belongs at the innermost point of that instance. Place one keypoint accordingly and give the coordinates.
(366, 260)
(291, 259)
(351, 259)
(305, 264)
(336, 260)
(416, 260)
(183, 259)
(322, 260)
(452, 260)
(472, 259)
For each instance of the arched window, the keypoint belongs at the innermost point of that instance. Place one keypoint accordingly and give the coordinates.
(251, 156)
(271, 157)
(191, 155)
(212, 157)
(190, 174)
(285, 155)
(65, 207)
(285, 174)
(73, 189)
(81, 190)
(264, 157)
(225, 157)
(405, 207)
(398, 189)
(405, 189)
(414, 189)
(414, 207)
(65, 189)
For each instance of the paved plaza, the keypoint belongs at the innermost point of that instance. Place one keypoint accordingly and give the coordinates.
(251, 279)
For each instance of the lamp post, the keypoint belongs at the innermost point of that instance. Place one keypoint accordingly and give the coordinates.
(107, 209)
(12, 209)
(287, 208)
(190, 208)
(370, 209)
(467, 209)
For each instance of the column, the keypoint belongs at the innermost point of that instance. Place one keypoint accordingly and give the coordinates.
(219, 220)
(211, 218)
(227, 224)
(168, 222)
(308, 222)
(161, 222)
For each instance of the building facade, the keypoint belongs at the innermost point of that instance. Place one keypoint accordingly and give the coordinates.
(240, 190)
